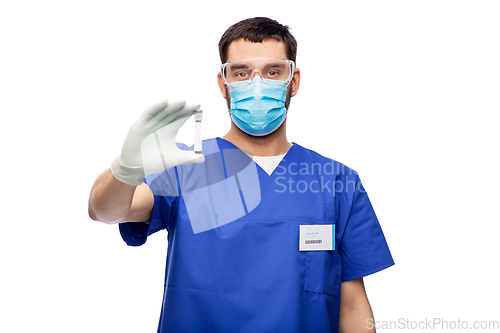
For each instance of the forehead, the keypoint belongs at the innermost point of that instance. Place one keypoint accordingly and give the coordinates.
(243, 49)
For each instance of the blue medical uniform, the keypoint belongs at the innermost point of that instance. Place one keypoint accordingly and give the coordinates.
(242, 271)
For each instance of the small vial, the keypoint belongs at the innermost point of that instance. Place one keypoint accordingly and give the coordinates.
(198, 115)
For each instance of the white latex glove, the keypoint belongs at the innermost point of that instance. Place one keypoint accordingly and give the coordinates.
(150, 144)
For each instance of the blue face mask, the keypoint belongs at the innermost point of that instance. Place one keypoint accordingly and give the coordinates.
(258, 106)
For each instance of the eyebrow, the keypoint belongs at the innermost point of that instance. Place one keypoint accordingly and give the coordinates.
(238, 66)
(275, 65)
(235, 67)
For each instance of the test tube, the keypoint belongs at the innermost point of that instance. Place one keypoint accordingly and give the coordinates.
(198, 115)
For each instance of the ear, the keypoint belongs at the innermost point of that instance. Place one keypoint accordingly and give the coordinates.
(221, 84)
(295, 81)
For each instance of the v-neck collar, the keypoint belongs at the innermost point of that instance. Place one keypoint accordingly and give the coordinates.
(224, 144)
(269, 163)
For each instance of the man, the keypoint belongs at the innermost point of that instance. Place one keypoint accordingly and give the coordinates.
(275, 239)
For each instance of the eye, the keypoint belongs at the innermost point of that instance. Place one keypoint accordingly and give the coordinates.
(274, 74)
(242, 74)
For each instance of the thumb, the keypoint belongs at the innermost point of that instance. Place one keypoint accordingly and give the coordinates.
(189, 157)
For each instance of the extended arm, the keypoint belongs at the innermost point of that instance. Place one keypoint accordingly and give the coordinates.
(119, 194)
(355, 308)
(112, 201)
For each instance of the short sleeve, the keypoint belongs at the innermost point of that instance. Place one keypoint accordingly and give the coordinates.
(363, 248)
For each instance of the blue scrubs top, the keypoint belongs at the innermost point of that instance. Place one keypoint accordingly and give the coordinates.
(233, 262)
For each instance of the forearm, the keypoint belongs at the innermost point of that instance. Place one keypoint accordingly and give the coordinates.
(356, 314)
(357, 320)
(110, 200)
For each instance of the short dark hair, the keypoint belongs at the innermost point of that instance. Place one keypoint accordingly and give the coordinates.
(257, 30)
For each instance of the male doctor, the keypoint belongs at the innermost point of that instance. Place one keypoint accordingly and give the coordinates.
(263, 234)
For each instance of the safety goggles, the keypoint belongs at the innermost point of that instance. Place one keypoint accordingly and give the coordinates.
(266, 68)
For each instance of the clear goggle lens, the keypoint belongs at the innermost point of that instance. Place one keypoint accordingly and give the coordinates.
(267, 68)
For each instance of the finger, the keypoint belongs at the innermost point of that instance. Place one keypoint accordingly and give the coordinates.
(184, 113)
(172, 107)
(187, 109)
(154, 109)
(173, 125)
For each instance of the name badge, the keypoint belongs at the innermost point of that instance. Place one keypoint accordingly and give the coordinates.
(317, 237)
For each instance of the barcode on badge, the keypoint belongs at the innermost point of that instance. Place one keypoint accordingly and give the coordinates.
(316, 241)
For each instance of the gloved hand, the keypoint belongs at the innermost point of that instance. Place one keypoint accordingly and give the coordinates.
(150, 144)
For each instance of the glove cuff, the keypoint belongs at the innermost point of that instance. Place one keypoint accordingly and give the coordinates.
(126, 174)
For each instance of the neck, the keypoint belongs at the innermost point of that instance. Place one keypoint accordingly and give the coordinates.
(272, 144)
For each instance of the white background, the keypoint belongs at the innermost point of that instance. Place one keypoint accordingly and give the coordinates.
(404, 92)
